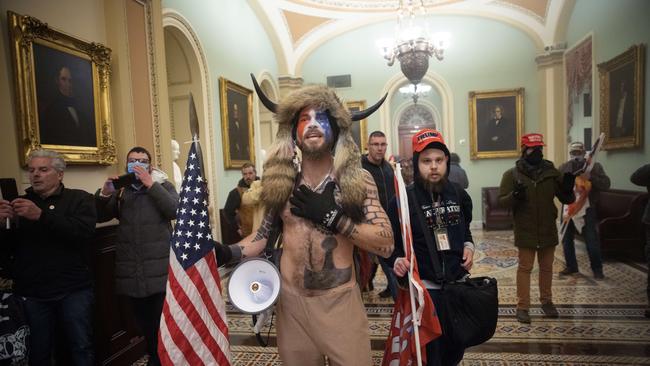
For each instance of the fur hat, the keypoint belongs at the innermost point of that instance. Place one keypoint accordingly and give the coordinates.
(279, 176)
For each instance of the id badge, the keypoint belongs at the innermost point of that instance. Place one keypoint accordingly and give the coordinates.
(442, 240)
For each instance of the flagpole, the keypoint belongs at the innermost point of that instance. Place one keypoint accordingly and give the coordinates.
(404, 215)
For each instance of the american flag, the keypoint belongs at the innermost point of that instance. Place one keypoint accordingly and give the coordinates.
(193, 327)
(414, 317)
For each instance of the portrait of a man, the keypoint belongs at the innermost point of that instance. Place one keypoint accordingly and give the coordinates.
(621, 112)
(622, 94)
(496, 130)
(64, 91)
(236, 123)
(238, 133)
(496, 119)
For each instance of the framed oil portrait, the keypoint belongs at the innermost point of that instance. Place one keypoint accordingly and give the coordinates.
(359, 130)
(236, 124)
(496, 121)
(622, 84)
(62, 92)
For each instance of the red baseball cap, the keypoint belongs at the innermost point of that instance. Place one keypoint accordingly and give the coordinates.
(532, 140)
(427, 136)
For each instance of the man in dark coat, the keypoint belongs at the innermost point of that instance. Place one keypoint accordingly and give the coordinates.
(47, 247)
(447, 209)
(145, 210)
(529, 189)
(382, 173)
(240, 217)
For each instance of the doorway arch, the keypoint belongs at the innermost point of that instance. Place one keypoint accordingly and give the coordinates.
(187, 72)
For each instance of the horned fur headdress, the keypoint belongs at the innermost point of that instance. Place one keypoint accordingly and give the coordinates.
(279, 171)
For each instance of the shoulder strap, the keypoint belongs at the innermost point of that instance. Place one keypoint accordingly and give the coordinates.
(428, 238)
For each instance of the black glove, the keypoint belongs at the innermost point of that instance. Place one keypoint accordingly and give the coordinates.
(320, 208)
(226, 253)
(568, 180)
(519, 193)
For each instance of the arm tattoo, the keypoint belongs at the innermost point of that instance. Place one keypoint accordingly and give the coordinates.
(265, 229)
(347, 227)
(241, 247)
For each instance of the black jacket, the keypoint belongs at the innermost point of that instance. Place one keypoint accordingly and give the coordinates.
(384, 179)
(455, 218)
(48, 257)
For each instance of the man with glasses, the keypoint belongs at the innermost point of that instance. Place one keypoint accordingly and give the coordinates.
(382, 173)
(145, 209)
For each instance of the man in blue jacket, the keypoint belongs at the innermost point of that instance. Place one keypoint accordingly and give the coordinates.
(447, 209)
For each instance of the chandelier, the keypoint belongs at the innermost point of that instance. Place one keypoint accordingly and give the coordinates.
(413, 47)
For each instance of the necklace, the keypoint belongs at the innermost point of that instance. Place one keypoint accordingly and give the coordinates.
(322, 182)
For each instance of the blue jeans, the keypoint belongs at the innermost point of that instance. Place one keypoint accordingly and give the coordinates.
(71, 313)
(590, 235)
(441, 351)
(390, 276)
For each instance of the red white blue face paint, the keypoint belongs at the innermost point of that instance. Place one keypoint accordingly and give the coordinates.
(313, 122)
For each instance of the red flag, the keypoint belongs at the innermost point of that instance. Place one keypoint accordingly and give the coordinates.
(193, 327)
(413, 307)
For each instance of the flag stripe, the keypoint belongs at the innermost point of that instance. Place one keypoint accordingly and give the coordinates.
(212, 266)
(197, 315)
(166, 342)
(178, 336)
(206, 284)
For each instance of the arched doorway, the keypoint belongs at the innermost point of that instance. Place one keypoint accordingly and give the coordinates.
(412, 119)
(187, 72)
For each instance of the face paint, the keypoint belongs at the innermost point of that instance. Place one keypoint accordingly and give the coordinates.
(310, 117)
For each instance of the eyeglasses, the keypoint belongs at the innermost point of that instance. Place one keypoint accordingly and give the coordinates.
(377, 144)
(143, 161)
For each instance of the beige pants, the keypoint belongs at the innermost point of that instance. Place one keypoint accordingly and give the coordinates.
(333, 325)
(526, 262)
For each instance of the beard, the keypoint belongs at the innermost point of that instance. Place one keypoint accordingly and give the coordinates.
(432, 187)
(314, 153)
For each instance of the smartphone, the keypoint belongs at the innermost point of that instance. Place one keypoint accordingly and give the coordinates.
(9, 189)
(124, 181)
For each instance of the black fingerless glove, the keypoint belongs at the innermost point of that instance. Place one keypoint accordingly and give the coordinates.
(319, 208)
(568, 180)
(519, 193)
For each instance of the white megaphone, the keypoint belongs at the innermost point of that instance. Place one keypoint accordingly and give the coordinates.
(254, 285)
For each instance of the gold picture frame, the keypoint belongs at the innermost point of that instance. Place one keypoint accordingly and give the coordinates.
(496, 122)
(62, 92)
(622, 114)
(359, 130)
(237, 135)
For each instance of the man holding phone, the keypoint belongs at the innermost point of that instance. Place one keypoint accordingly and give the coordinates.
(46, 249)
(145, 203)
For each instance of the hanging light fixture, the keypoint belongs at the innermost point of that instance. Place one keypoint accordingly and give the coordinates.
(413, 47)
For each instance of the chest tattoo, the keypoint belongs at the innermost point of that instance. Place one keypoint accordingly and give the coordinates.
(329, 276)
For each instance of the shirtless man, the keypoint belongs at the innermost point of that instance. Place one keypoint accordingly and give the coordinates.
(326, 209)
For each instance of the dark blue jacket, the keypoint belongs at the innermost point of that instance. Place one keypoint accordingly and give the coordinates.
(455, 212)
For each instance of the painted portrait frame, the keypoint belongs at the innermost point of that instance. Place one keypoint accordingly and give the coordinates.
(35, 48)
(623, 131)
(236, 150)
(359, 130)
(482, 106)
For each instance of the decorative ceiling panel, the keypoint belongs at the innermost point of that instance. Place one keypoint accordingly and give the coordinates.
(301, 24)
(536, 8)
(364, 5)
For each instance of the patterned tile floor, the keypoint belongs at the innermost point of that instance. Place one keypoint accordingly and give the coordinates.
(600, 323)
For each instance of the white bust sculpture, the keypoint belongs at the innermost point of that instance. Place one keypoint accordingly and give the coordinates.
(178, 176)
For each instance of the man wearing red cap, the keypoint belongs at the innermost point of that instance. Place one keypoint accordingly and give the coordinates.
(529, 189)
(447, 210)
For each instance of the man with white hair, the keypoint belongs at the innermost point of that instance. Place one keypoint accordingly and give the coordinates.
(46, 245)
